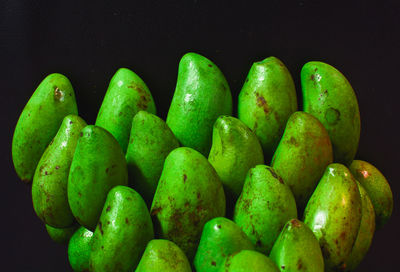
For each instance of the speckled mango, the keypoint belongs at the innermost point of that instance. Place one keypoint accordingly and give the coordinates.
(264, 206)
(297, 249)
(123, 231)
(163, 255)
(235, 149)
(248, 261)
(151, 140)
(302, 156)
(201, 95)
(267, 99)
(49, 186)
(221, 237)
(329, 96)
(188, 195)
(39, 122)
(365, 233)
(126, 95)
(79, 248)
(333, 213)
(97, 166)
(377, 187)
(61, 235)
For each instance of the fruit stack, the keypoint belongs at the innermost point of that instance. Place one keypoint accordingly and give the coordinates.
(135, 192)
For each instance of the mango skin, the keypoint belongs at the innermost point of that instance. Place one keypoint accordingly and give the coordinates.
(267, 99)
(123, 231)
(235, 149)
(297, 249)
(221, 237)
(248, 261)
(49, 186)
(151, 140)
(201, 95)
(126, 95)
(97, 166)
(365, 233)
(79, 248)
(188, 195)
(39, 122)
(264, 206)
(163, 255)
(61, 235)
(302, 156)
(377, 187)
(329, 96)
(333, 213)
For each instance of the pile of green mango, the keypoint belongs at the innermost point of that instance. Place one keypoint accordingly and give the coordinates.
(272, 189)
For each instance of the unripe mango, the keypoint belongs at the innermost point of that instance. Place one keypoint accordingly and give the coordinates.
(188, 195)
(329, 96)
(98, 165)
(123, 231)
(248, 261)
(201, 95)
(49, 186)
(126, 95)
(267, 99)
(79, 248)
(39, 122)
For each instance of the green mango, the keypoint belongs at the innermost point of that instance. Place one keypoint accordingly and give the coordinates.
(333, 213)
(79, 248)
(235, 149)
(49, 186)
(365, 233)
(297, 249)
(150, 142)
(221, 237)
(39, 122)
(123, 231)
(302, 156)
(264, 206)
(329, 96)
(61, 235)
(97, 166)
(163, 255)
(267, 99)
(248, 261)
(201, 95)
(377, 187)
(188, 195)
(126, 95)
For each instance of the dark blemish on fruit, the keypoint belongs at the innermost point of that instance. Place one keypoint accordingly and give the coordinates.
(57, 167)
(81, 134)
(58, 94)
(156, 210)
(45, 172)
(282, 266)
(299, 264)
(295, 223)
(184, 178)
(343, 236)
(209, 65)
(101, 228)
(312, 77)
(247, 80)
(262, 103)
(127, 221)
(213, 263)
(198, 195)
(108, 209)
(332, 116)
(102, 247)
(272, 172)
(79, 194)
(70, 122)
(219, 226)
(187, 204)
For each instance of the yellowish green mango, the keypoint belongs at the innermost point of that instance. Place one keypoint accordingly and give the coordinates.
(188, 195)
(150, 142)
(248, 261)
(235, 149)
(302, 156)
(201, 95)
(79, 248)
(328, 95)
(365, 233)
(97, 166)
(49, 186)
(378, 189)
(163, 255)
(61, 235)
(39, 122)
(221, 237)
(297, 249)
(126, 95)
(333, 213)
(264, 206)
(267, 99)
(123, 231)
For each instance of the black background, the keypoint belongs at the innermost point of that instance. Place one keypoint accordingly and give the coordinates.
(88, 42)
